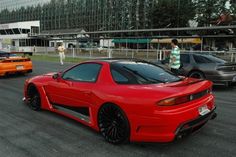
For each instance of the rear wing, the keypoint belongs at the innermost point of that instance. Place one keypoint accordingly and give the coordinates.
(4, 55)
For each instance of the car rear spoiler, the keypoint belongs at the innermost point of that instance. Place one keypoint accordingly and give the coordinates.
(24, 53)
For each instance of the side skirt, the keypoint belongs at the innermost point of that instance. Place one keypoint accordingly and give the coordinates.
(79, 112)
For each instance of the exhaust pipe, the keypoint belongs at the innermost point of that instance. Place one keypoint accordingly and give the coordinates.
(214, 115)
(179, 137)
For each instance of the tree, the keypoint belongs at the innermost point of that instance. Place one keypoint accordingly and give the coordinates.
(172, 13)
(209, 10)
(233, 8)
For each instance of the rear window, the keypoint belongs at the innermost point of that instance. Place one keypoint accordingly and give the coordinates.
(207, 59)
(215, 59)
(201, 59)
(131, 72)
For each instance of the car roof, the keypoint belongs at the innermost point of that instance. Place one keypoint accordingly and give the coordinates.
(196, 53)
(112, 60)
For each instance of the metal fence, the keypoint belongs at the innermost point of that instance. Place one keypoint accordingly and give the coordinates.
(148, 54)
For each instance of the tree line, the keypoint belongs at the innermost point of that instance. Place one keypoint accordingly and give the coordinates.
(100, 15)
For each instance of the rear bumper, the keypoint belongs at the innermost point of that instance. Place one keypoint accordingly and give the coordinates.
(194, 125)
(167, 125)
(222, 77)
(3, 73)
(12, 70)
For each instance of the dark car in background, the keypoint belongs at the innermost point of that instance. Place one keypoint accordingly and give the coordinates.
(206, 66)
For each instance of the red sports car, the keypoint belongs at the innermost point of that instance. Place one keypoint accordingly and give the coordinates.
(125, 100)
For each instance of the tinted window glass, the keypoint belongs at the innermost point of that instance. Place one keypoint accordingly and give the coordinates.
(2, 32)
(144, 73)
(215, 59)
(25, 31)
(201, 59)
(16, 31)
(9, 31)
(184, 58)
(87, 72)
(119, 78)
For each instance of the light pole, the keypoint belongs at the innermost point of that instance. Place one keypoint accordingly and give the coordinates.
(178, 13)
(178, 16)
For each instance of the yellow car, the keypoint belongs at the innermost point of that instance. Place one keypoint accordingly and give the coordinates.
(12, 62)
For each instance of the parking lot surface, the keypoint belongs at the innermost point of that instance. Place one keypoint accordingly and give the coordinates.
(26, 133)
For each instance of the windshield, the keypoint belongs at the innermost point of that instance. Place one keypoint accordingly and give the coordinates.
(131, 72)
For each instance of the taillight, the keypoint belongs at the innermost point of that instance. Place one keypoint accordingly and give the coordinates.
(167, 102)
(174, 101)
(28, 59)
(184, 99)
(181, 100)
(6, 61)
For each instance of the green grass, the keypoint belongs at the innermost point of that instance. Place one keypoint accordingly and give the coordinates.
(55, 59)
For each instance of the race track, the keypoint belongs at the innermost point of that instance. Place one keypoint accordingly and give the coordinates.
(26, 133)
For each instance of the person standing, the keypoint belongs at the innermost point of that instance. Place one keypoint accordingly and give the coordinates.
(175, 57)
(61, 50)
(34, 49)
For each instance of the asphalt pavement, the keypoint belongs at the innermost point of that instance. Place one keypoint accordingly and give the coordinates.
(26, 133)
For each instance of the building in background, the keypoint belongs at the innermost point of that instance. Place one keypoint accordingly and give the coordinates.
(15, 37)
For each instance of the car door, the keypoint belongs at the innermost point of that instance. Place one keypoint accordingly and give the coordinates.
(205, 64)
(185, 64)
(75, 86)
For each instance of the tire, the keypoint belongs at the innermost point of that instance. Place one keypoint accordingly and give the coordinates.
(113, 124)
(34, 100)
(197, 74)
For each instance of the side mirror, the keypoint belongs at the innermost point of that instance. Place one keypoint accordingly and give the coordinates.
(55, 76)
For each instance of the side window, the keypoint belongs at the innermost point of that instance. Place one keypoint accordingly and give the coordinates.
(201, 59)
(184, 58)
(118, 77)
(87, 72)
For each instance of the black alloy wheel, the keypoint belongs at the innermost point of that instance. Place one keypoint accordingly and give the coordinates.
(197, 74)
(113, 124)
(34, 100)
